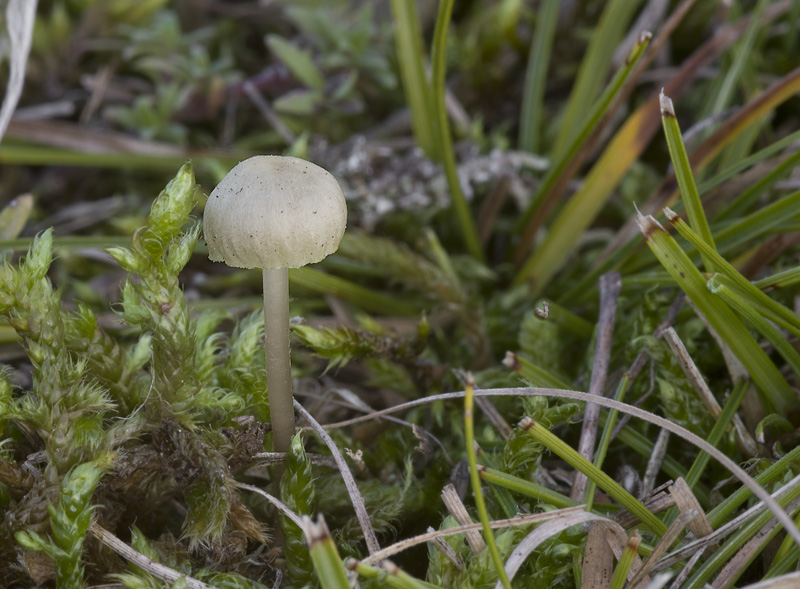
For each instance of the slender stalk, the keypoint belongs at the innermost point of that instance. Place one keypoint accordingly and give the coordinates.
(626, 561)
(276, 343)
(444, 143)
(474, 478)
(536, 76)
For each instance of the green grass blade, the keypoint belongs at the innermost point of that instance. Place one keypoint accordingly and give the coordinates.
(737, 540)
(743, 164)
(776, 471)
(329, 567)
(754, 318)
(740, 54)
(779, 280)
(355, 293)
(730, 277)
(776, 394)
(683, 173)
(523, 487)
(389, 574)
(758, 223)
(555, 179)
(411, 59)
(626, 561)
(536, 76)
(475, 480)
(751, 195)
(605, 440)
(537, 376)
(720, 425)
(605, 482)
(443, 140)
(606, 36)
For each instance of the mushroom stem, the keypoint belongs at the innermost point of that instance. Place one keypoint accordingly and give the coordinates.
(279, 373)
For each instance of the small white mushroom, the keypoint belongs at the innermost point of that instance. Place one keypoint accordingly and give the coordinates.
(275, 213)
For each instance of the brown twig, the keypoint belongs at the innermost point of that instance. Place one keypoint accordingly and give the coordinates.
(284, 509)
(610, 285)
(147, 564)
(349, 481)
(661, 422)
(497, 524)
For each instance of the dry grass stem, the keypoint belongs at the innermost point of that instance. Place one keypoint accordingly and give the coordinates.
(657, 501)
(275, 501)
(352, 489)
(145, 563)
(522, 520)
(688, 503)
(746, 441)
(734, 568)
(732, 466)
(439, 544)
(654, 463)
(699, 545)
(686, 570)
(598, 560)
(456, 508)
(610, 285)
(673, 531)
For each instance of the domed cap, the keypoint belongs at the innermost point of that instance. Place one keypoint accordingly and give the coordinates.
(274, 212)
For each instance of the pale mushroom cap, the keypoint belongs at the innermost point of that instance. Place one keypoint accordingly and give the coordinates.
(274, 212)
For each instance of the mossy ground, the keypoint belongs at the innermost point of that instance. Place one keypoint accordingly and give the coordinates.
(132, 384)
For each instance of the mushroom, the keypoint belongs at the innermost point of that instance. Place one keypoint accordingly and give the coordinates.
(275, 213)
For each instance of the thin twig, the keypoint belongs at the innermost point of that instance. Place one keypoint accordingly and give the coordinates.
(610, 285)
(746, 442)
(316, 459)
(284, 509)
(644, 355)
(266, 111)
(456, 508)
(654, 464)
(496, 524)
(685, 434)
(700, 544)
(349, 481)
(147, 564)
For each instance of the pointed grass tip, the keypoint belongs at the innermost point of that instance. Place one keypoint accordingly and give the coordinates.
(316, 532)
(671, 215)
(667, 110)
(647, 224)
(511, 361)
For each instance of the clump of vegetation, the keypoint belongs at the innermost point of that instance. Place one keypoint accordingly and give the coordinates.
(561, 321)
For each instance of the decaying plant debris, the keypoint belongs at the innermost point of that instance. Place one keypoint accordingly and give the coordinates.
(557, 347)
